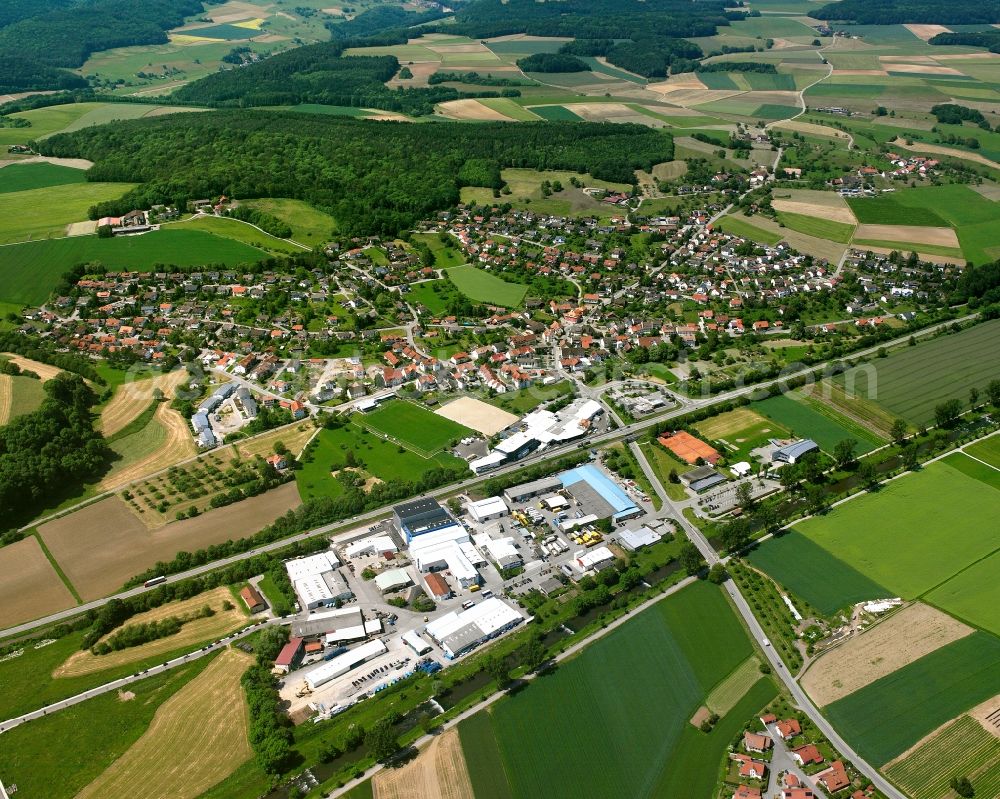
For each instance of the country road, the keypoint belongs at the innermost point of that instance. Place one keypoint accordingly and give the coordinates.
(777, 665)
(345, 529)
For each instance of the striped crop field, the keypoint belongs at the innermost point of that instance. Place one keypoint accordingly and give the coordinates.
(962, 747)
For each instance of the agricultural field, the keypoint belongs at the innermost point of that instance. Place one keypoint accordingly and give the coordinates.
(414, 426)
(192, 633)
(44, 213)
(30, 586)
(987, 450)
(576, 732)
(806, 418)
(739, 226)
(887, 717)
(906, 518)
(974, 468)
(434, 295)
(891, 643)
(963, 747)
(103, 545)
(795, 560)
(197, 738)
(445, 252)
(438, 771)
(236, 230)
(133, 397)
(911, 381)
(525, 186)
(46, 261)
(310, 226)
(377, 461)
(975, 220)
(664, 463)
(481, 286)
(973, 594)
(140, 449)
(820, 228)
(18, 396)
(78, 743)
(27, 177)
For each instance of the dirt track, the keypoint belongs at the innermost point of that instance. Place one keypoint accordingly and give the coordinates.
(438, 772)
(906, 636)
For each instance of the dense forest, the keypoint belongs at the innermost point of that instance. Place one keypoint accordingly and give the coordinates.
(373, 177)
(952, 114)
(895, 12)
(44, 452)
(739, 66)
(647, 55)
(988, 39)
(379, 19)
(552, 62)
(52, 35)
(642, 36)
(12, 11)
(317, 73)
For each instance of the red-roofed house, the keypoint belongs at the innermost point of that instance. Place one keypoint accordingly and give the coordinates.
(746, 792)
(834, 778)
(788, 728)
(755, 742)
(807, 754)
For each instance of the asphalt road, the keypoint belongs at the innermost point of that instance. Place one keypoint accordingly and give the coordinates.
(124, 682)
(777, 665)
(348, 528)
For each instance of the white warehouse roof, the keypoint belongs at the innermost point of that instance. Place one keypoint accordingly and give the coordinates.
(392, 579)
(311, 566)
(488, 508)
(371, 545)
(489, 616)
(342, 664)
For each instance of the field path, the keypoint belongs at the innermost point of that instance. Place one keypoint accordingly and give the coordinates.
(197, 738)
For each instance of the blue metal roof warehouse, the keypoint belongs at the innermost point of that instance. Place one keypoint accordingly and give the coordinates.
(608, 490)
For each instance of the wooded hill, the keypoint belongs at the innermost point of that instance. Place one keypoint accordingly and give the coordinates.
(373, 177)
(316, 73)
(895, 12)
(38, 37)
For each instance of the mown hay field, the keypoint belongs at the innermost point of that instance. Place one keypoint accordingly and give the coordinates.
(197, 738)
(193, 632)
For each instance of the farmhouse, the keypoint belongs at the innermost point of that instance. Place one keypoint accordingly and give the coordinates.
(792, 452)
(749, 768)
(806, 755)
(756, 742)
(457, 633)
(834, 778)
(252, 599)
(689, 449)
(788, 728)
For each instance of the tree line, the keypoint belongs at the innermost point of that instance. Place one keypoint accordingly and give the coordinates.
(552, 62)
(647, 54)
(988, 39)
(372, 184)
(896, 12)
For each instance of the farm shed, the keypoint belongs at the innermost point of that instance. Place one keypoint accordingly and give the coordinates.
(252, 599)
